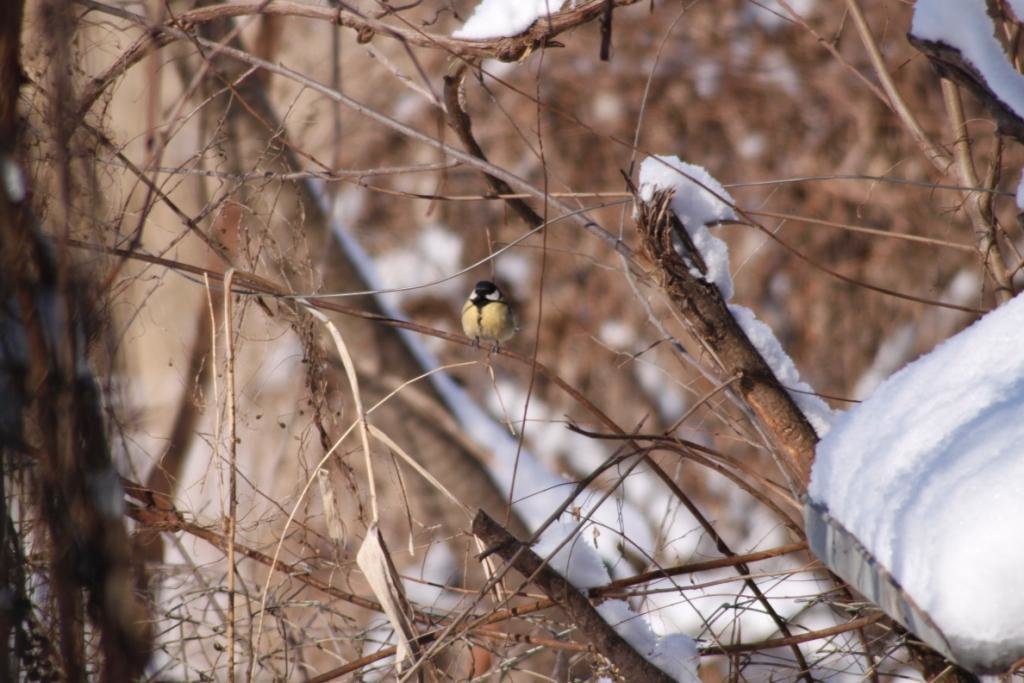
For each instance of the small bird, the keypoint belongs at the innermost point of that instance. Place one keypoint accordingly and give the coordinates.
(487, 315)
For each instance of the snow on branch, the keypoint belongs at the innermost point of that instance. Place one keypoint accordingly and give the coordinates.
(675, 204)
(618, 634)
(506, 47)
(958, 38)
(505, 18)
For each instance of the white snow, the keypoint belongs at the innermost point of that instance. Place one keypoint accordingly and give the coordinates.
(771, 15)
(818, 413)
(504, 18)
(608, 107)
(538, 492)
(580, 567)
(435, 253)
(699, 200)
(515, 272)
(660, 387)
(965, 25)
(751, 145)
(1020, 185)
(928, 474)
(676, 655)
(891, 354)
(935, 323)
(707, 77)
(617, 334)
(435, 568)
(777, 69)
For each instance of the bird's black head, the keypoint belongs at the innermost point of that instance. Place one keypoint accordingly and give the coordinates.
(486, 290)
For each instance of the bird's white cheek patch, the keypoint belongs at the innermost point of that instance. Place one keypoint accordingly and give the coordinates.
(494, 296)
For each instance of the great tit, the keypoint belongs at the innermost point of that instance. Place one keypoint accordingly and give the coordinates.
(487, 315)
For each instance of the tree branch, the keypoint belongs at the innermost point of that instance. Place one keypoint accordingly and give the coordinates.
(631, 664)
(701, 305)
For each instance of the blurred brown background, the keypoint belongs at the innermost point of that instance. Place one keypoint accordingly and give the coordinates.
(776, 100)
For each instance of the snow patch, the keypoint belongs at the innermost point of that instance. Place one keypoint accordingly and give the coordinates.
(661, 387)
(676, 655)
(515, 275)
(771, 15)
(966, 26)
(617, 334)
(707, 78)
(751, 146)
(435, 254)
(440, 567)
(581, 568)
(504, 18)
(891, 354)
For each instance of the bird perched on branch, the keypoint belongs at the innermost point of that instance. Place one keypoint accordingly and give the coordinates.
(487, 315)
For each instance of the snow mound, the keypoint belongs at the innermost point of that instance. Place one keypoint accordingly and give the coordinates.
(928, 476)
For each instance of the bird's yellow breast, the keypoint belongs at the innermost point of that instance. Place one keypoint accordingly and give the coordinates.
(471, 320)
(496, 321)
(493, 320)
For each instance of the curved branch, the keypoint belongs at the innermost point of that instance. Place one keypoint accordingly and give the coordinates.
(508, 49)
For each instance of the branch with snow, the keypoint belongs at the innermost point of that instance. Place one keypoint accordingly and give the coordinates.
(619, 634)
(505, 18)
(675, 204)
(958, 38)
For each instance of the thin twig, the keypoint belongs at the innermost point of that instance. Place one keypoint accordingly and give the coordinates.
(854, 625)
(229, 360)
(932, 152)
(693, 567)
(984, 226)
